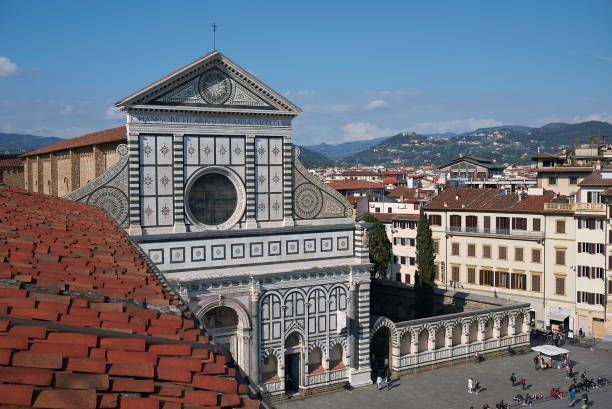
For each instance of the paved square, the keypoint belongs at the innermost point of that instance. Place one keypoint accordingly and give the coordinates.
(447, 387)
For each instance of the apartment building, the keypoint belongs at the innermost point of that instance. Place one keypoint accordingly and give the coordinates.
(508, 245)
(400, 220)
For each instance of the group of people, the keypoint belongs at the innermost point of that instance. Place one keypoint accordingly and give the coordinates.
(522, 382)
(528, 399)
(379, 379)
(473, 386)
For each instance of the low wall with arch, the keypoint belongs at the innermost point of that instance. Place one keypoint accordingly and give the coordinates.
(494, 327)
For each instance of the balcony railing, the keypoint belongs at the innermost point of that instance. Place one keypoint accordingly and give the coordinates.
(496, 232)
(588, 208)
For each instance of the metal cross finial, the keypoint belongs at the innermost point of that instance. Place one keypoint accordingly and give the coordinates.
(214, 28)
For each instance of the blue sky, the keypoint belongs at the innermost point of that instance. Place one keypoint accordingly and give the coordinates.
(359, 70)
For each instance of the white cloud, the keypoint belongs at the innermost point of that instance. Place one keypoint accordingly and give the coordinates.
(604, 57)
(8, 68)
(376, 103)
(459, 125)
(361, 131)
(113, 113)
(66, 109)
(604, 116)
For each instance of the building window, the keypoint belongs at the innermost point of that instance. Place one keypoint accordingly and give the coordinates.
(486, 251)
(487, 223)
(518, 281)
(591, 248)
(519, 223)
(561, 226)
(503, 279)
(535, 283)
(407, 278)
(471, 223)
(518, 254)
(455, 249)
(455, 222)
(502, 224)
(436, 246)
(486, 277)
(552, 180)
(411, 260)
(435, 220)
(436, 271)
(560, 285)
(212, 199)
(573, 180)
(536, 224)
(471, 250)
(560, 257)
(502, 253)
(402, 260)
(471, 275)
(455, 273)
(398, 277)
(535, 255)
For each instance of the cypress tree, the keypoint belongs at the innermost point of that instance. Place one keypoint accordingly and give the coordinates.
(424, 279)
(380, 247)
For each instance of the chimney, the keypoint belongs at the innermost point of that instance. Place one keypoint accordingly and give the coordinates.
(598, 165)
(445, 204)
(457, 197)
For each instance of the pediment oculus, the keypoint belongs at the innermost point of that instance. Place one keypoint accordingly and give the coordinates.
(212, 88)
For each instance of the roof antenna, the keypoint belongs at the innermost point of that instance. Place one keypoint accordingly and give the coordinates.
(214, 28)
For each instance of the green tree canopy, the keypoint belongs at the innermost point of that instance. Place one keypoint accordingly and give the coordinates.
(380, 247)
(424, 279)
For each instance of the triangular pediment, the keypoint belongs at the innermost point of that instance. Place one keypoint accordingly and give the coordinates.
(214, 83)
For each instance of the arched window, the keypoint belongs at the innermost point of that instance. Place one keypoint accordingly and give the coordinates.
(315, 361)
(336, 358)
(294, 303)
(271, 317)
(269, 369)
(316, 312)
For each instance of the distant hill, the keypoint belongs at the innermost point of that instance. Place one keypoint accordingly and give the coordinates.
(21, 143)
(342, 150)
(441, 135)
(502, 144)
(312, 159)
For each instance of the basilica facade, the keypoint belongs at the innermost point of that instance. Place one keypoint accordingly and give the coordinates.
(210, 187)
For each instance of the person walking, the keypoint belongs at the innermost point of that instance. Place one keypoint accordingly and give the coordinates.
(470, 385)
(523, 383)
(388, 376)
(378, 382)
(477, 386)
(513, 379)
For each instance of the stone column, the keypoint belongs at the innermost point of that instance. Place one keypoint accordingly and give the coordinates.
(526, 322)
(431, 341)
(449, 335)
(414, 343)
(497, 327)
(54, 181)
(512, 325)
(178, 183)
(481, 330)
(255, 293)
(465, 334)
(351, 324)
(135, 227)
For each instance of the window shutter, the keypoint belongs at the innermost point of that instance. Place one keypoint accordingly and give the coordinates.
(592, 272)
(480, 278)
(578, 299)
(589, 197)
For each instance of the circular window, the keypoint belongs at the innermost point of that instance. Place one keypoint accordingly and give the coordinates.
(214, 197)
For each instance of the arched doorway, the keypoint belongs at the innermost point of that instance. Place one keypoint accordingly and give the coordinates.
(228, 323)
(381, 349)
(294, 347)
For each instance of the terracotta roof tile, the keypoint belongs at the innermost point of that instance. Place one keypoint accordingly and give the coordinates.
(460, 198)
(69, 349)
(598, 178)
(355, 184)
(95, 138)
(11, 163)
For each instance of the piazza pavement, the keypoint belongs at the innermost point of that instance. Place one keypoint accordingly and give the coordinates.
(446, 388)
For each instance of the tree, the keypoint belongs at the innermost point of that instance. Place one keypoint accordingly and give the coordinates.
(424, 279)
(380, 247)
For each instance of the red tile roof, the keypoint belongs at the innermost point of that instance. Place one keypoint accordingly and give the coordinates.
(389, 217)
(85, 322)
(11, 163)
(598, 178)
(565, 169)
(355, 184)
(108, 135)
(361, 173)
(460, 198)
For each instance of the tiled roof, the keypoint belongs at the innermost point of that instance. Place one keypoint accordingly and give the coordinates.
(598, 178)
(353, 199)
(410, 194)
(11, 163)
(361, 173)
(108, 135)
(389, 217)
(355, 184)
(460, 198)
(548, 156)
(86, 323)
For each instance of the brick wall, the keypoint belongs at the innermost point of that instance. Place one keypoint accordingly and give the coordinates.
(13, 177)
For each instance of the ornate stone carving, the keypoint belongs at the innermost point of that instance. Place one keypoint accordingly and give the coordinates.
(313, 199)
(109, 190)
(215, 87)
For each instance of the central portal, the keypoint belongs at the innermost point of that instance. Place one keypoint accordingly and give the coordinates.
(293, 362)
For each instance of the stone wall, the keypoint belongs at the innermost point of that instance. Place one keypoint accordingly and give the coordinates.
(59, 173)
(12, 177)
